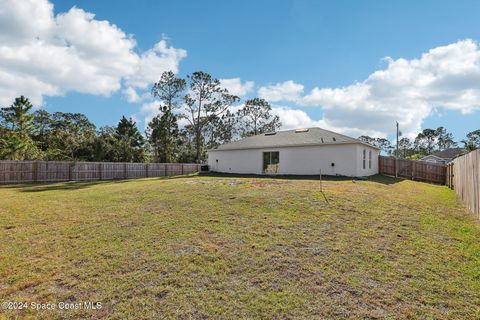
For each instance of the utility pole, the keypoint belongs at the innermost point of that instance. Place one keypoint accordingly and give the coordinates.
(396, 156)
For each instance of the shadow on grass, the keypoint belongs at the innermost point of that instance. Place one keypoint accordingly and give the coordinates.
(77, 185)
(376, 178)
(380, 178)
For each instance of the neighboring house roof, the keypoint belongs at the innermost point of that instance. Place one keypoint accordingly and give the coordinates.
(431, 156)
(449, 153)
(291, 138)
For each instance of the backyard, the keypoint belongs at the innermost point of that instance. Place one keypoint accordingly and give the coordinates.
(197, 247)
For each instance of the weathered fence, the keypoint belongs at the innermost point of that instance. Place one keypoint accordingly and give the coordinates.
(52, 171)
(463, 175)
(415, 170)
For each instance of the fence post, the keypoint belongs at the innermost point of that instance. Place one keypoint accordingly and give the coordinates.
(453, 175)
(414, 170)
(166, 169)
(395, 167)
(146, 170)
(125, 170)
(182, 168)
(70, 165)
(100, 171)
(35, 171)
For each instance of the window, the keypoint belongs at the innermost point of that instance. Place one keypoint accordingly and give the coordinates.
(271, 161)
(370, 159)
(364, 158)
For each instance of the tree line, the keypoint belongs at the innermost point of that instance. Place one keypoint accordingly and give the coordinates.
(199, 100)
(426, 142)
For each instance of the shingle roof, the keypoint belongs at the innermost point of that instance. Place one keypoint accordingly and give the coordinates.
(449, 153)
(291, 138)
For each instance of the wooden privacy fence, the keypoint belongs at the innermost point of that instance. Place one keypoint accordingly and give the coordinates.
(52, 171)
(463, 175)
(415, 170)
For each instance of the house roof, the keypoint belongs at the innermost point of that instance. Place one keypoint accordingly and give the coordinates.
(431, 156)
(449, 153)
(291, 138)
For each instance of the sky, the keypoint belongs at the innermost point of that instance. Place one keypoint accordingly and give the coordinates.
(355, 67)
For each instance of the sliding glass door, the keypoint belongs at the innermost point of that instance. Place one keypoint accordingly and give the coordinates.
(271, 161)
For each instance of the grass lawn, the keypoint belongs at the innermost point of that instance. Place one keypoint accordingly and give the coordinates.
(227, 247)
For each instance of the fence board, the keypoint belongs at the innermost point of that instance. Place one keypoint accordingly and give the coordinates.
(415, 170)
(463, 175)
(55, 171)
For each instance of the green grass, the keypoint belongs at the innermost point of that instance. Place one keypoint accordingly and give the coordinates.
(229, 247)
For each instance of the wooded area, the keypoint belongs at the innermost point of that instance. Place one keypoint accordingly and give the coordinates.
(463, 175)
(414, 170)
(53, 171)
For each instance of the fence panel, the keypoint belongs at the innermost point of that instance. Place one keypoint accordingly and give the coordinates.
(463, 175)
(415, 170)
(54, 171)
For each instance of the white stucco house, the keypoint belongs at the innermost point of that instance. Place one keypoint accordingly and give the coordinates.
(296, 152)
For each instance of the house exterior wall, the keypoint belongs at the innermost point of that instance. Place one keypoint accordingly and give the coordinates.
(361, 172)
(302, 160)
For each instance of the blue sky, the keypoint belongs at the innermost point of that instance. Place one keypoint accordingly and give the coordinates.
(316, 45)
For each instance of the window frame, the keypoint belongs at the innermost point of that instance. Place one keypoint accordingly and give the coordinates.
(369, 159)
(364, 159)
(270, 158)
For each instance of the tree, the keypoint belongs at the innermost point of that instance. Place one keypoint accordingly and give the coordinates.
(404, 146)
(130, 141)
(473, 140)
(17, 120)
(168, 90)
(70, 136)
(163, 132)
(425, 141)
(187, 152)
(11, 146)
(256, 118)
(444, 139)
(368, 139)
(42, 122)
(164, 137)
(220, 129)
(205, 100)
(106, 146)
(385, 145)
(381, 143)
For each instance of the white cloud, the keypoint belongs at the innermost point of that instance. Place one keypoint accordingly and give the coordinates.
(149, 110)
(285, 91)
(406, 91)
(46, 55)
(153, 62)
(131, 94)
(295, 118)
(236, 87)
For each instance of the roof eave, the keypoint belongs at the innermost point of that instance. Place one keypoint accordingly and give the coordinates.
(298, 145)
